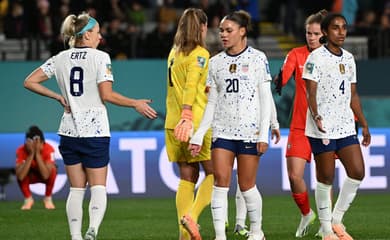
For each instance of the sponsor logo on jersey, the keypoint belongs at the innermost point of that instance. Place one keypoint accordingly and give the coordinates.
(309, 67)
(267, 68)
(233, 68)
(201, 61)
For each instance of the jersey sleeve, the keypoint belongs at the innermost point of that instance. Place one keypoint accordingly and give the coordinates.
(49, 67)
(104, 68)
(197, 67)
(311, 69)
(266, 71)
(288, 67)
(265, 115)
(48, 153)
(353, 77)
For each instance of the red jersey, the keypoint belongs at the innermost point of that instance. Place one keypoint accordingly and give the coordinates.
(47, 154)
(293, 64)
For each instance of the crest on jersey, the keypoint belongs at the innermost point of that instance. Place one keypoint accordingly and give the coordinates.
(342, 68)
(201, 61)
(309, 67)
(233, 68)
(245, 67)
(108, 69)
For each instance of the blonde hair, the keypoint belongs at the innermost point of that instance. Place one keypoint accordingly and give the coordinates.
(316, 17)
(189, 34)
(71, 26)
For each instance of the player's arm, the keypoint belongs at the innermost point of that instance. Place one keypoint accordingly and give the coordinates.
(311, 89)
(23, 165)
(140, 105)
(44, 165)
(275, 132)
(265, 97)
(286, 71)
(34, 81)
(357, 110)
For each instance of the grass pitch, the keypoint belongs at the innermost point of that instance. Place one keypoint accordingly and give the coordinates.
(141, 219)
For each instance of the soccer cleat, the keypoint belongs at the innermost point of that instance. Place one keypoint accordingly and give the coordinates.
(339, 229)
(256, 237)
(48, 202)
(320, 233)
(306, 221)
(241, 230)
(226, 226)
(330, 237)
(191, 226)
(90, 234)
(28, 203)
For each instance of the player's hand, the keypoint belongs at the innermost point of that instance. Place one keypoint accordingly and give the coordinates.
(194, 149)
(366, 137)
(184, 129)
(143, 108)
(278, 83)
(275, 133)
(261, 148)
(318, 121)
(29, 146)
(64, 104)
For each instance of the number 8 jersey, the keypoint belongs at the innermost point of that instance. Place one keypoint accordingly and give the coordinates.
(78, 72)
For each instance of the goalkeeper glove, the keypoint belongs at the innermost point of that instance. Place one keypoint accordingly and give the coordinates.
(184, 129)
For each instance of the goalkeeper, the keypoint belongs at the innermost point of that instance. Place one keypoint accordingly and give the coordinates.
(185, 102)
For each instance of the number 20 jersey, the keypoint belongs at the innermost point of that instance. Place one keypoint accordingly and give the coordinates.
(78, 72)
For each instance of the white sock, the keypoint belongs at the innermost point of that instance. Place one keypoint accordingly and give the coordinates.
(324, 206)
(254, 205)
(74, 211)
(240, 208)
(218, 210)
(346, 196)
(97, 206)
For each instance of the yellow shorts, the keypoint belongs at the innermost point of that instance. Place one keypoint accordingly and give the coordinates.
(178, 151)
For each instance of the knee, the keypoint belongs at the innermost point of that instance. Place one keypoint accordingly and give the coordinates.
(294, 178)
(221, 180)
(357, 175)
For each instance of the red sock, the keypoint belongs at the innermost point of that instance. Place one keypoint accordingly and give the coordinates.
(302, 201)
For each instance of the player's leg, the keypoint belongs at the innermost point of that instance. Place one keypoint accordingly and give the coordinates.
(352, 159)
(298, 154)
(241, 212)
(78, 180)
(24, 186)
(49, 183)
(222, 155)
(247, 167)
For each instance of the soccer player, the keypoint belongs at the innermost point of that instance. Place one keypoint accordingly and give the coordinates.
(35, 164)
(239, 113)
(85, 79)
(298, 147)
(330, 74)
(186, 99)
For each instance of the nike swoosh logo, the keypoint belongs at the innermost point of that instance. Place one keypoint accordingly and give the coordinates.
(248, 147)
(323, 208)
(215, 207)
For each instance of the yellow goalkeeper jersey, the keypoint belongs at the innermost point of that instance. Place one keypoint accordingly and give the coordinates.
(186, 84)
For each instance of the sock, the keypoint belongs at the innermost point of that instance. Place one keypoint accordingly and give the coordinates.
(240, 208)
(254, 205)
(218, 210)
(324, 206)
(97, 206)
(74, 211)
(184, 201)
(203, 197)
(346, 196)
(302, 201)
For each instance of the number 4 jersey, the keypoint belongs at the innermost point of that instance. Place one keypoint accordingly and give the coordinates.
(334, 75)
(78, 72)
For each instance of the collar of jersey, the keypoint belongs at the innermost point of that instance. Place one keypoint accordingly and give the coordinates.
(234, 55)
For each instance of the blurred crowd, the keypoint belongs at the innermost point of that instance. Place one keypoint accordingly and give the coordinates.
(145, 28)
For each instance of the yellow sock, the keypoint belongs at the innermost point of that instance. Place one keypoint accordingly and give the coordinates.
(184, 200)
(203, 197)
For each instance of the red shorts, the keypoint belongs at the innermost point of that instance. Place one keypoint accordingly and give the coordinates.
(298, 145)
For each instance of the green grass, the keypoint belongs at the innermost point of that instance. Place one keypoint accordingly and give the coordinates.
(139, 219)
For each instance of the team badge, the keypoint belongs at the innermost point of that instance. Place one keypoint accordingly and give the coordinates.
(201, 61)
(342, 68)
(309, 67)
(325, 141)
(245, 67)
(233, 68)
(108, 69)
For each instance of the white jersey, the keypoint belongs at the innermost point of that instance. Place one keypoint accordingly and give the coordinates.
(241, 109)
(334, 75)
(78, 72)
